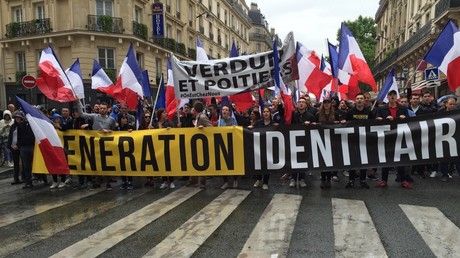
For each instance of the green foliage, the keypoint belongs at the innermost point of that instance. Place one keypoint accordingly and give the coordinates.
(180, 48)
(364, 30)
(144, 30)
(112, 74)
(192, 53)
(170, 44)
(106, 23)
(19, 75)
(13, 29)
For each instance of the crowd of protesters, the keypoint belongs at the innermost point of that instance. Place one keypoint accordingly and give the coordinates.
(18, 139)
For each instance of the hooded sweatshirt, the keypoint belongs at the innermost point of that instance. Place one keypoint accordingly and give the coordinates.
(5, 125)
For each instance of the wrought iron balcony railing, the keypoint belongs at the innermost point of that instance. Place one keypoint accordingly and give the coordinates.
(105, 23)
(28, 28)
(140, 30)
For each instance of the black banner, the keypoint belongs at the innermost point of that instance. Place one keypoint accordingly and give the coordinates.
(358, 144)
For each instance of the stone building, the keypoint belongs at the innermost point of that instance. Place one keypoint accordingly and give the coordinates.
(103, 30)
(405, 32)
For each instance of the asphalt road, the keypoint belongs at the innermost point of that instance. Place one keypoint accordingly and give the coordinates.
(305, 222)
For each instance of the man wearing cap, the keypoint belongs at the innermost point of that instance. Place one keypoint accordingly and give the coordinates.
(390, 112)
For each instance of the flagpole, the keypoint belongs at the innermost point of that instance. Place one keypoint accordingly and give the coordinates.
(158, 93)
(413, 75)
(70, 83)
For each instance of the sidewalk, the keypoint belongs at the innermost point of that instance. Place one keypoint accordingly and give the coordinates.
(5, 169)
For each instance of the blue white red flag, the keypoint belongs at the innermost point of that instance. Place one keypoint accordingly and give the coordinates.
(389, 85)
(285, 92)
(445, 54)
(76, 79)
(351, 59)
(54, 83)
(161, 99)
(200, 52)
(172, 105)
(48, 140)
(129, 82)
(100, 80)
(326, 91)
(243, 101)
(146, 84)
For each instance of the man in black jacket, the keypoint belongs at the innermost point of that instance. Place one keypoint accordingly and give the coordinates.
(26, 142)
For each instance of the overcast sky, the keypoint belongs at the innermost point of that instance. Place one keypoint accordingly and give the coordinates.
(313, 21)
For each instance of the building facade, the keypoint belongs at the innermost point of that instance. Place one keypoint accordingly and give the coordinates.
(405, 32)
(260, 36)
(103, 30)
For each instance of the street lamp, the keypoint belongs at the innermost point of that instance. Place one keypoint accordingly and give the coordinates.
(380, 37)
(208, 15)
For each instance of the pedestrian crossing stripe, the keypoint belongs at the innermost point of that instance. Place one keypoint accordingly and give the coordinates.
(354, 231)
(106, 238)
(439, 233)
(193, 233)
(272, 234)
(355, 234)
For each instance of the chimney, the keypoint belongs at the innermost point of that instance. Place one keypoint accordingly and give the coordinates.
(254, 7)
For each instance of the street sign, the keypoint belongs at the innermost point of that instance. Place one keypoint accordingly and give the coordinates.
(28, 81)
(432, 74)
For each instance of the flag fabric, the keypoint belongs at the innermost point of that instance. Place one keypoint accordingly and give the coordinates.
(445, 54)
(171, 105)
(161, 98)
(49, 143)
(54, 83)
(76, 79)
(326, 91)
(129, 82)
(200, 52)
(261, 103)
(285, 92)
(100, 80)
(333, 59)
(243, 101)
(422, 65)
(146, 84)
(351, 59)
(388, 85)
(311, 78)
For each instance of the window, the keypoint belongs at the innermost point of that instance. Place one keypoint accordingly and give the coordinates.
(17, 14)
(107, 58)
(258, 47)
(168, 31)
(158, 67)
(138, 14)
(178, 6)
(39, 11)
(140, 59)
(218, 10)
(104, 7)
(20, 61)
(179, 36)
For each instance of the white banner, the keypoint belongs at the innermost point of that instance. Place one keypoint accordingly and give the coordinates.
(229, 76)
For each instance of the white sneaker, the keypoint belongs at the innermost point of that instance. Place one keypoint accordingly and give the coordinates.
(449, 175)
(335, 179)
(265, 186)
(235, 184)
(68, 181)
(54, 185)
(10, 164)
(346, 173)
(257, 184)
(302, 183)
(292, 183)
(61, 185)
(163, 185)
(224, 186)
(172, 186)
(433, 174)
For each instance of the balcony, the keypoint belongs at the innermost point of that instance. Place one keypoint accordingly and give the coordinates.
(444, 5)
(201, 29)
(180, 49)
(140, 30)
(28, 28)
(211, 36)
(260, 37)
(178, 15)
(192, 53)
(105, 23)
(168, 8)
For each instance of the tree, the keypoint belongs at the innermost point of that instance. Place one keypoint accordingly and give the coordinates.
(364, 30)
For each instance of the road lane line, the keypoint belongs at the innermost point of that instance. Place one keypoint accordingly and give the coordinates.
(272, 234)
(354, 231)
(27, 210)
(440, 234)
(111, 235)
(193, 233)
(52, 227)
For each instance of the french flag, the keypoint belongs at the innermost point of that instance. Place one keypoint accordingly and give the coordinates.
(279, 83)
(48, 140)
(54, 83)
(389, 85)
(200, 52)
(100, 80)
(311, 78)
(76, 79)
(146, 84)
(351, 59)
(172, 105)
(161, 97)
(129, 82)
(326, 91)
(445, 54)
